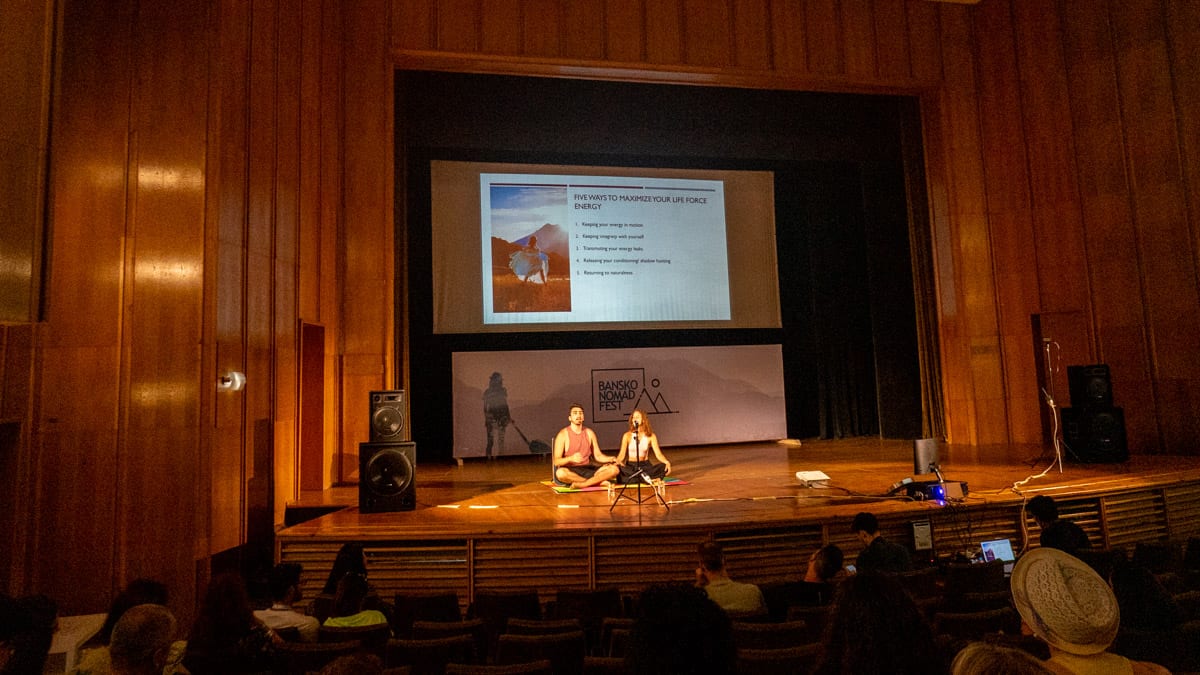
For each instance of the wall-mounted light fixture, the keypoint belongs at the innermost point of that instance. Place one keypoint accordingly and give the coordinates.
(231, 381)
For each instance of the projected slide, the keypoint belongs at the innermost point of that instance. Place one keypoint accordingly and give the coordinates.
(602, 248)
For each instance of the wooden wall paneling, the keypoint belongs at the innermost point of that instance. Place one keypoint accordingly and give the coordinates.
(1137, 516)
(583, 30)
(538, 563)
(502, 24)
(308, 149)
(981, 368)
(414, 26)
(625, 31)
(859, 39)
(159, 440)
(824, 39)
(664, 33)
(1058, 226)
(225, 459)
(330, 284)
(285, 333)
(1168, 267)
(1116, 297)
(708, 33)
(1010, 229)
(458, 25)
(925, 39)
(367, 268)
(27, 58)
(16, 457)
(78, 371)
(659, 558)
(789, 36)
(542, 27)
(1183, 45)
(752, 35)
(261, 227)
(893, 49)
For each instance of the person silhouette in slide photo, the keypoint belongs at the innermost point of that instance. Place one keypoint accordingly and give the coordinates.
(530, 264)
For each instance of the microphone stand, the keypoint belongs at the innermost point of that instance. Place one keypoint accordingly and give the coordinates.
(639, 476)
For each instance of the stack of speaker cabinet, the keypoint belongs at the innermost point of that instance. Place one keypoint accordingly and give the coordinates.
(1093, 428)
(387, 465)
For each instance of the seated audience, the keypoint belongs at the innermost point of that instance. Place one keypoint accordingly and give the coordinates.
(678, 629)
(348, 609)
(1056, 532)
(141, 641)
(97, 660)
(1067, 604)
(982, 658)
(730, 595)
(285, 593)
(226, 636)
(880, 555)
(26, 630)
(351, 559)
(1144, 602)
(874, 626)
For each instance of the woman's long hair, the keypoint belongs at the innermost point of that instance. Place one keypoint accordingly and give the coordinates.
(349, 561)
(645, 430)
(875, 627)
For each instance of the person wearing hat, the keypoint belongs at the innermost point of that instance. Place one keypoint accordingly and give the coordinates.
(1068, 605)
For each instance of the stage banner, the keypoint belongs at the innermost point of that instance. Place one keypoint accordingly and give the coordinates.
(518, 400)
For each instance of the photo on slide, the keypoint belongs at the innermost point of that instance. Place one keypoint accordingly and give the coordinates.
(531, 268)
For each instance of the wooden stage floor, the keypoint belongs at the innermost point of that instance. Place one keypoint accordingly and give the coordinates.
(494, 525)
(744, 483)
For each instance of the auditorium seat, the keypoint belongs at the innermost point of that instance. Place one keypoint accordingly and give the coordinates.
(565, 651)
(475, 628)
(299, 658)
(373, 638)
(423, 605)
(753, 635)
(429, 657)
(787, 661)
(975, 625)
(541, 667)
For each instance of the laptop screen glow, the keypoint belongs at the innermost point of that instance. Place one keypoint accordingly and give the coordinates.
(999, 549)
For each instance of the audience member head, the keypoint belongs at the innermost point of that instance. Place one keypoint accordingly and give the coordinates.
(712, 558)
(137, 592)
(351, 592)
(284, 582)
(351, 559)
(225, 613)
(26, 630)
(865, 522)
(824, 564)
(1065, 602)
(141, 640)
(359, 663)
(1043, 509)
(678, 629)
(1142, 599)
(982, 658)
(874, 626)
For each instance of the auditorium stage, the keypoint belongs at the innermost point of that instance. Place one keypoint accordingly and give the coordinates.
(494, 524)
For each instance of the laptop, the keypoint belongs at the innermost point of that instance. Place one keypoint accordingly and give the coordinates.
(999, 549)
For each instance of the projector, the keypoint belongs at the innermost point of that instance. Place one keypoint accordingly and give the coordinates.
(944, 491)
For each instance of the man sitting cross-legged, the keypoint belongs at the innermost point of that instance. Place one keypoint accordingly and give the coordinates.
(578, 461)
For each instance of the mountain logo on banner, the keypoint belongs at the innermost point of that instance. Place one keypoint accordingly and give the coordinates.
(617, 392)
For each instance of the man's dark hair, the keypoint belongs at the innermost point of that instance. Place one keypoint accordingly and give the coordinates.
(283, 577)
(1043, 508)
(865, 522)
(712, 558)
